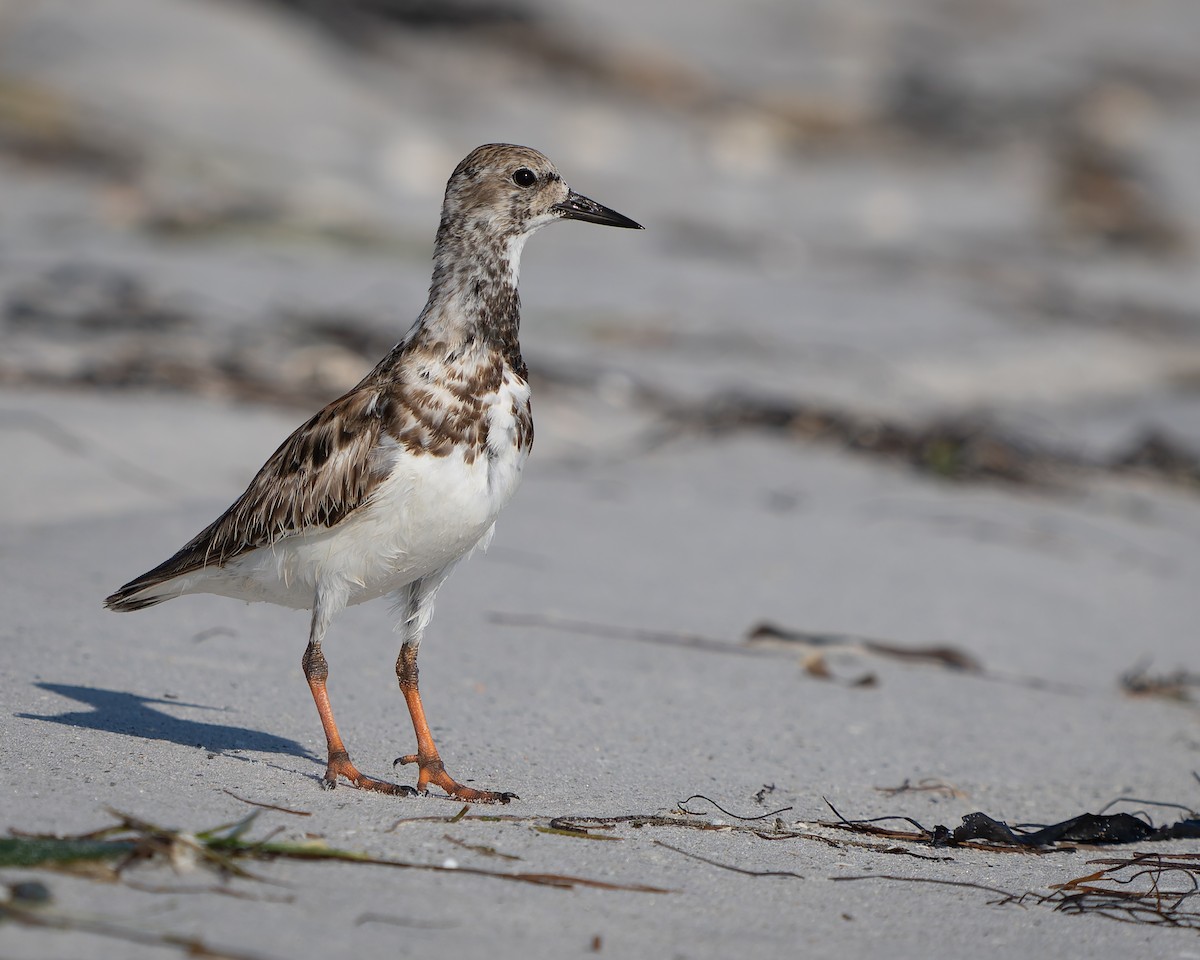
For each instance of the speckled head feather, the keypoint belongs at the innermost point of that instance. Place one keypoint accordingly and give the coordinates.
(501, 191)
(497, 196)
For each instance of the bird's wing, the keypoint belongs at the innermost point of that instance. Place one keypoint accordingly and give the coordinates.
(322, 473)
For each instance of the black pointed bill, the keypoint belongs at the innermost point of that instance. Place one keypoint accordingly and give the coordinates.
(579, 207)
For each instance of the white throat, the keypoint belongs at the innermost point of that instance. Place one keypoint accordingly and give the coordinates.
(512, 253)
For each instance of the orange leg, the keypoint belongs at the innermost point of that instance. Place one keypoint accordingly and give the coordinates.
(316, 672)
(429, 765)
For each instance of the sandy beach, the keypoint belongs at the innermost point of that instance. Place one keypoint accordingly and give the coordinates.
(865, 482)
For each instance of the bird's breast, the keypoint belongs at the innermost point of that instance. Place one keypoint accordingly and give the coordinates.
(509, 437)
(448, 464)
(437, 504)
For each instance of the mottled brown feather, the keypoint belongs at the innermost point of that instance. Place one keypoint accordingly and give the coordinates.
(320, 474)
(330, 466)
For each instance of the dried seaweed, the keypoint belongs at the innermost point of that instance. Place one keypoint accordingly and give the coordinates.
(1156, 452)
(679, 805)
(1180, 685)
(955, 448)
(941, 656)
(691, 821)
(1144, 888)
(226, 847)
(761, 796)
(842, 843)
(635, 820)
(952, 448)
(977, 831)
(983, 832)
(926, 785)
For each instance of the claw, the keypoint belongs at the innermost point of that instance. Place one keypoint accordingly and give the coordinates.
(432, 770)
(340, 766)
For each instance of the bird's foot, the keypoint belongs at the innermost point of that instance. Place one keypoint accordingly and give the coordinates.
(432, 770)
(340, 766)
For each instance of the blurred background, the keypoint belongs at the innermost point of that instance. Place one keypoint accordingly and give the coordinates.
(957, 232)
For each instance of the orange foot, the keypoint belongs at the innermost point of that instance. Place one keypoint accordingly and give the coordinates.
(340, 766)
(432, 770)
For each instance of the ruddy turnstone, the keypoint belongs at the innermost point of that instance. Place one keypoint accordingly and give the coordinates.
(388, 487)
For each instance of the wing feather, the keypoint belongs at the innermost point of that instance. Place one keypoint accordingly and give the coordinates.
(322, 473)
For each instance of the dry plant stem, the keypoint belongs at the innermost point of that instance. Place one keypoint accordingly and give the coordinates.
(269, 806)
(730, 867)
(189, 946)
(933, 880)
(670, 638)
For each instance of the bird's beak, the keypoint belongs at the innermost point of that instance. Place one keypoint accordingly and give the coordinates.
(579, 207)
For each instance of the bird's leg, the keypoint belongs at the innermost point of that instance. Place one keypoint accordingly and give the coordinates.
(316, 672)
(429, 765)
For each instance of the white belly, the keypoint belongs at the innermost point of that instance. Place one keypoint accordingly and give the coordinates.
(429, 513)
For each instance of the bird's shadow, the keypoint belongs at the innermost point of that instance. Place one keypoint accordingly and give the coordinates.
(128, 713)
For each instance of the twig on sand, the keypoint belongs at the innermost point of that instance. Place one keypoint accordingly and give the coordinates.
(699, 796)
(268, 806)
(731, 867)
(934, 880)
(669, 638)
(189, 946)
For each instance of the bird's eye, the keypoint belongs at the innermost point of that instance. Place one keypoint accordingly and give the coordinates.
(524, 177)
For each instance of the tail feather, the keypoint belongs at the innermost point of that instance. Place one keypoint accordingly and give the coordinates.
(138, 594)
(153, 586)
(125, 600)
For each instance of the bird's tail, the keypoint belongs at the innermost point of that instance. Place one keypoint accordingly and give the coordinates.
(150, 588)
(133, 597)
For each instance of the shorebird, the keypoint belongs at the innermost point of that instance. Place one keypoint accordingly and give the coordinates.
(387, 488)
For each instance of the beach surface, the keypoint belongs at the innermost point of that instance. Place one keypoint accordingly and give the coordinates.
(865, 482)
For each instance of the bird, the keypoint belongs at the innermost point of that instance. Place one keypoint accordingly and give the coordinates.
(387, 488)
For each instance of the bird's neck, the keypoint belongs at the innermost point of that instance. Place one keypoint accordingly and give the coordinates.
(473, 295)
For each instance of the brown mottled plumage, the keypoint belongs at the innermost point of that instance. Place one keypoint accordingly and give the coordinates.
(389, 486)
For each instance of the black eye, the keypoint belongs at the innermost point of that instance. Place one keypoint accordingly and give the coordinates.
(524, 177)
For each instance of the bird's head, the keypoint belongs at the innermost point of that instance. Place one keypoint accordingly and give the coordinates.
(502, 191)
